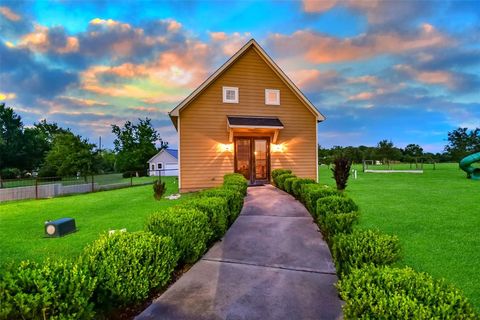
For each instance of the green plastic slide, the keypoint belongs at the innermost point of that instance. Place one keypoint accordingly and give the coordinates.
(466, 165)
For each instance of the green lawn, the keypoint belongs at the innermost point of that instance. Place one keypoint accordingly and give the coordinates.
(22, 222)
(436, 215)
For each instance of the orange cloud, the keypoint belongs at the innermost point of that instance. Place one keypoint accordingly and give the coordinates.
(84, 102)
(164, 79)
(430, 77)
(39, 40)
(318, 48)
(362, 96)
(309, 79)
(9, 14)
(318, 6)
(376, 11)
(230, 43)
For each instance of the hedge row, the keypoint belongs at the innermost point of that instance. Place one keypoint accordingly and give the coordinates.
(122, 268)
(370, 287)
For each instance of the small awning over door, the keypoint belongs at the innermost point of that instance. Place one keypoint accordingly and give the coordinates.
(266, 124)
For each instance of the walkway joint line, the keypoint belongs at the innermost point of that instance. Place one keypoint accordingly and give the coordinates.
(267, 266)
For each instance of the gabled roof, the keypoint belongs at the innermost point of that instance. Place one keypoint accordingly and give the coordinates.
(172, 152)
(252, 43)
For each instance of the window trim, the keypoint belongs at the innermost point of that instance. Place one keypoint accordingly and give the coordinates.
(276, 103)
(160, 166)
(224, 94)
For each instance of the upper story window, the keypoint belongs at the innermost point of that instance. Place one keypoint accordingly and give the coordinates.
(230, 95)
(272, 96)
(160, 166)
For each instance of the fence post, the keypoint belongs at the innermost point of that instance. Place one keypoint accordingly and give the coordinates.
(93, 185)
(36, 188)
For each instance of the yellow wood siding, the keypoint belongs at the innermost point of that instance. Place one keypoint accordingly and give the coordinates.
(203, 125)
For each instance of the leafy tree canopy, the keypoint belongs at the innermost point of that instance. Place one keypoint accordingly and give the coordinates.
(462, 142)
(69, 155)
(135, 144)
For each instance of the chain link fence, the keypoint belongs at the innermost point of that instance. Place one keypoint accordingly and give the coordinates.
(49, 187)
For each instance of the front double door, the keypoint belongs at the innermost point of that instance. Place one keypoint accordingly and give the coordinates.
(252, 159)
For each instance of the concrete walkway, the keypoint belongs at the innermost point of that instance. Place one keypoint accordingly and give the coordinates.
(271, 264)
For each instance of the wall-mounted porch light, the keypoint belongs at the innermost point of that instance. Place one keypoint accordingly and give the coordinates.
(226, 147)
(277, 147)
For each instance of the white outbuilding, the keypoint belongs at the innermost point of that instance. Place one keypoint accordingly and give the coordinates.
(164, 163)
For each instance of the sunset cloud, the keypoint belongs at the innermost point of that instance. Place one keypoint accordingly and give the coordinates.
(9, 14)
(43, 39)
(319, 48)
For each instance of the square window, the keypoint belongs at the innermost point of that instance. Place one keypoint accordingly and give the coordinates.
(160, 166)
(272, 96)
(230, 95)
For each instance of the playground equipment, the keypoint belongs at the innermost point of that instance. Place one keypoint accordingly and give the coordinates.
(466, 165)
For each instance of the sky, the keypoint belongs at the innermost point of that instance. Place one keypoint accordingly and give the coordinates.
(406, 71)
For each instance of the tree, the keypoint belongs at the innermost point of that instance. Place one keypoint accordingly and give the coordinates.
(11, 136)
(461, 143)
(135, 144)
(70, 155)
(38, 140)
(387, 151)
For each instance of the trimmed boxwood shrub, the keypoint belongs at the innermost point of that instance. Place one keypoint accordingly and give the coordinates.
(312, 192)
(287, 184)
(217, 211)
(281, 179)
(128, 265)
(234, 199)
(277, 172)
(297, 186)
(333, 224)
(236, 181)
(47, 290)
(188, 227)
(393, 293)
(364, 247)
(334, 204)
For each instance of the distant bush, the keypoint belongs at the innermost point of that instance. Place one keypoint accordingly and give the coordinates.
(10, 173)
(128, 266)
(188, 227)
(364, 247)
(280, 180)
(217, 211)
(47, 290)
(287, 184)
(233, 197)
(392, 293)
(334, 204)
(236, 181)
(159, 189)
(297, 186)
(312, 192)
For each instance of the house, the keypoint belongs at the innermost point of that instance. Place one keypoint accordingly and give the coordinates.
(164, 163)
(247, 117)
